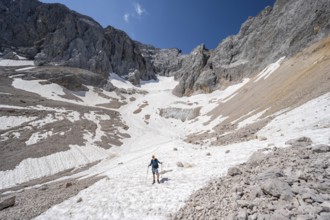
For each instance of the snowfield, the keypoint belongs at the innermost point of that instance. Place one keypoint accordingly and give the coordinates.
(12, 121)
(127, 192)
(22, 62)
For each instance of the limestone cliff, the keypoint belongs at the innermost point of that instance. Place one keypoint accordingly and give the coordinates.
(281, 30)
(52, 34)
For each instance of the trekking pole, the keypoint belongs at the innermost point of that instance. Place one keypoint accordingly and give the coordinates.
(161, 170)
(147, 175)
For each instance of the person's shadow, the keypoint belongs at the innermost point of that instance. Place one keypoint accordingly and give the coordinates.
(164, 179)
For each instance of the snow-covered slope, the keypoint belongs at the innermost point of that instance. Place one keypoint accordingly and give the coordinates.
(127, 193)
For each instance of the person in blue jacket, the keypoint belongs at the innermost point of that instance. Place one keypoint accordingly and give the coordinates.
(154, 167)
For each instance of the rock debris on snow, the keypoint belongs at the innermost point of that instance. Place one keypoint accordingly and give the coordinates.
(179, 164)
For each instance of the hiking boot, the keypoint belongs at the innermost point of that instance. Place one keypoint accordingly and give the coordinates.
(153, 182)
(158, 181)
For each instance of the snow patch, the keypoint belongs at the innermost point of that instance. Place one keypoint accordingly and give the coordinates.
(50, 91)
(36, 137)
(73, 116)
(6, 62)
(265, 73)
(252, 119)
(119, 82)
(243, 116)
(4, 93)
(8, 122)
(33, 168)
(42, 122)
(305, 120)
(26, 68)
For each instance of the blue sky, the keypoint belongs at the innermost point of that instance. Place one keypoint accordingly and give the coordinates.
(182, 24)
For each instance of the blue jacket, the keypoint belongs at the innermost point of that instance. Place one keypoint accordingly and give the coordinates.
(154, 163)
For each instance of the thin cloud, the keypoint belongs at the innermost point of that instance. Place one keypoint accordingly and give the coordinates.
(136, 13)
(139, 9)
(126, 17)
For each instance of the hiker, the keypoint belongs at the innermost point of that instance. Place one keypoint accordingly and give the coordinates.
(154, 167)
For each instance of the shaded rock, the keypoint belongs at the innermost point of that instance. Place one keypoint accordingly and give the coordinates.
(179, 164)
(134, 77)
(242, 203)
(325, 206)
(276, 188)
(180, 113)
(109, 86)
(304, 217)
(67, 185)
(233, 171)
(11, 56)
(270, 174)
(321, 148)
(7, 202)
(324, 216)
(44, 187)
(256, 158)
(299, 142)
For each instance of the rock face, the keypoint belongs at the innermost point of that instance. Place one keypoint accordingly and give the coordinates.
(277, 31)
(165, 61)
(125, 55)
(8, 202)
(286, 183)
(53, 34)
(190, 73)
(180, 113)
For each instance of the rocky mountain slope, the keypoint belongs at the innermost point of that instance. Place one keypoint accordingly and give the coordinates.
(51, 34)
(277, 31)
(289, 183)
